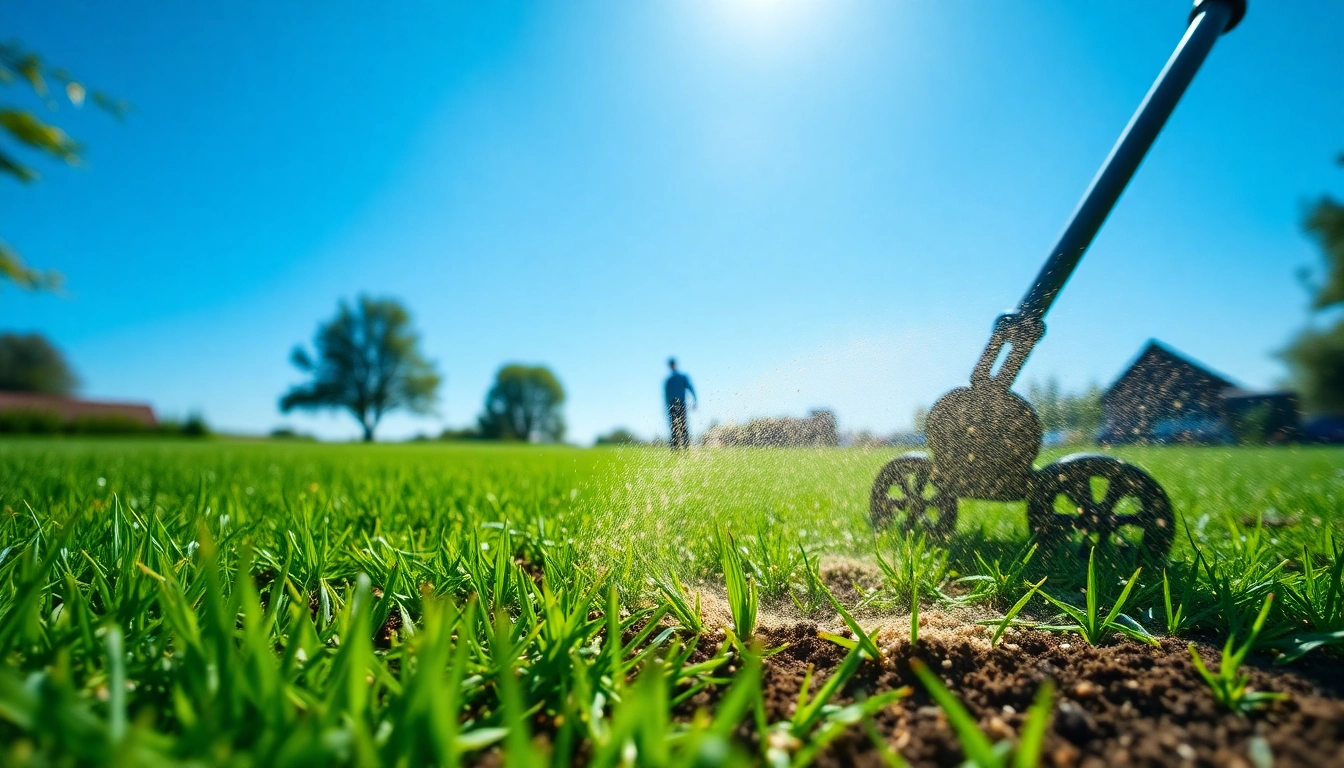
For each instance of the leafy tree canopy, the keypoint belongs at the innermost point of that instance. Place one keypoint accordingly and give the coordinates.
(524, 404)
(29, 363)
(365, 360)
(1316, 356)
(1325, 223)
(24, 129)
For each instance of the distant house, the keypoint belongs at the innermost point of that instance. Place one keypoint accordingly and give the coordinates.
(1164, 397)
(818, 429)
(71, 411)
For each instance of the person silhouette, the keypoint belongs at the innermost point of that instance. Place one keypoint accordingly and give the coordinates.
(674, 391)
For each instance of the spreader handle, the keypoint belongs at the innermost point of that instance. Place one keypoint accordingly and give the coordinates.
(1210, 19)
(1238, 12)
(1020, 330)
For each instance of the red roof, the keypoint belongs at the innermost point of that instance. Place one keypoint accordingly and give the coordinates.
(70, 409)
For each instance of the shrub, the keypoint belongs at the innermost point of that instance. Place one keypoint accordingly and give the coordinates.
(104, 425)
(29, 422)
(618, 436)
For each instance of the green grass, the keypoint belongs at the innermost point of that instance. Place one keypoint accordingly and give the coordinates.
(1088, 622)
(283, 604)
(980, 751)
(1230, 689)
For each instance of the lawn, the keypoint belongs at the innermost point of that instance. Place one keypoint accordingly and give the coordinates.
(290, 603)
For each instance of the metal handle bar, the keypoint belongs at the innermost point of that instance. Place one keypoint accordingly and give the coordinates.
(1024, 327)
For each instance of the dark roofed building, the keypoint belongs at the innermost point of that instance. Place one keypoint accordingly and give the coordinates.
(1164, 397)
(69, 410)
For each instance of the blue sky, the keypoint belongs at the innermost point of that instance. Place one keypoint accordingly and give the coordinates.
(812, 203)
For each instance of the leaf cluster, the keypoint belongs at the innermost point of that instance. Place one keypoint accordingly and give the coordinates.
(367, 361)
(1229, 687)
(1088, 622)
(23, 128)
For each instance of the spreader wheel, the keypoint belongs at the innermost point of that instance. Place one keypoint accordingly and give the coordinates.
(904, 490)
(1095, 499)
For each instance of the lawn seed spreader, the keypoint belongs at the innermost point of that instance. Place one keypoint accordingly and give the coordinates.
(983, 439)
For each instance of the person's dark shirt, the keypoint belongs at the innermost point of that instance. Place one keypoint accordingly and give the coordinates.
(677, 386)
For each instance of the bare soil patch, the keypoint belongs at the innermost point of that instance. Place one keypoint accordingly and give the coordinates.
(1124, 704)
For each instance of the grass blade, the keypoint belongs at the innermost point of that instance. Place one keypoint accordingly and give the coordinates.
(973, 741)
(1033, 730)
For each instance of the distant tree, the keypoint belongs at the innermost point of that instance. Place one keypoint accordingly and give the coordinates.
(619, 436)
(23, 128)
(366, 360)
(1079, 412)
(1316, 359)
(289, 433)
(921, 419)
(1316, 356)
(29, 363)
(458, 435)
(524, 404)
(1325, 224)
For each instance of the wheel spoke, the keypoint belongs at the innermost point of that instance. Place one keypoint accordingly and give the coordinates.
(921, 473)
(909, 484)
(905, 495)
(1114, 493)
(1079, 491)
(1104, 501)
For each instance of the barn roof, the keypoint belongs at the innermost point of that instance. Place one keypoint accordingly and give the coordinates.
(70, 409)
(1157, 353)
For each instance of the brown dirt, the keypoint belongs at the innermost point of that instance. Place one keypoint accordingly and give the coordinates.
(1124, 704)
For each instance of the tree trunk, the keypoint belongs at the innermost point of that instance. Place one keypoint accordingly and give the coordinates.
(368, 432)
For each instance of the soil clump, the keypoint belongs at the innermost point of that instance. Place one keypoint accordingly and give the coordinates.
(1122, 704)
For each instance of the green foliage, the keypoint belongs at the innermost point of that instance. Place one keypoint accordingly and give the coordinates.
(25, 421)
(1316, 356)
(1314, 604)
(1229, 688)
(773, 560)
(39, 422)
(524, 404)
(1002, 625)
(810, 595)
(1089, 623)
(367, 361)
(619, 436)
(294, 604)
(460, 435)
(741, 587)
(1076, 413)
(1316, 360)
(112, 425)
(1178, 622)
(1325, 223)
(217, 625)
(980, 751)
(30, 363)
(816, 722)
(995, 582)
(915, 568)
(863, 640)
(920, 419)
(1237, 579)
(689, 616)
(25, 129)
(1251, 426)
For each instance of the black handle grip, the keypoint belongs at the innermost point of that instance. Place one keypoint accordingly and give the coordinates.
(1237, 8)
